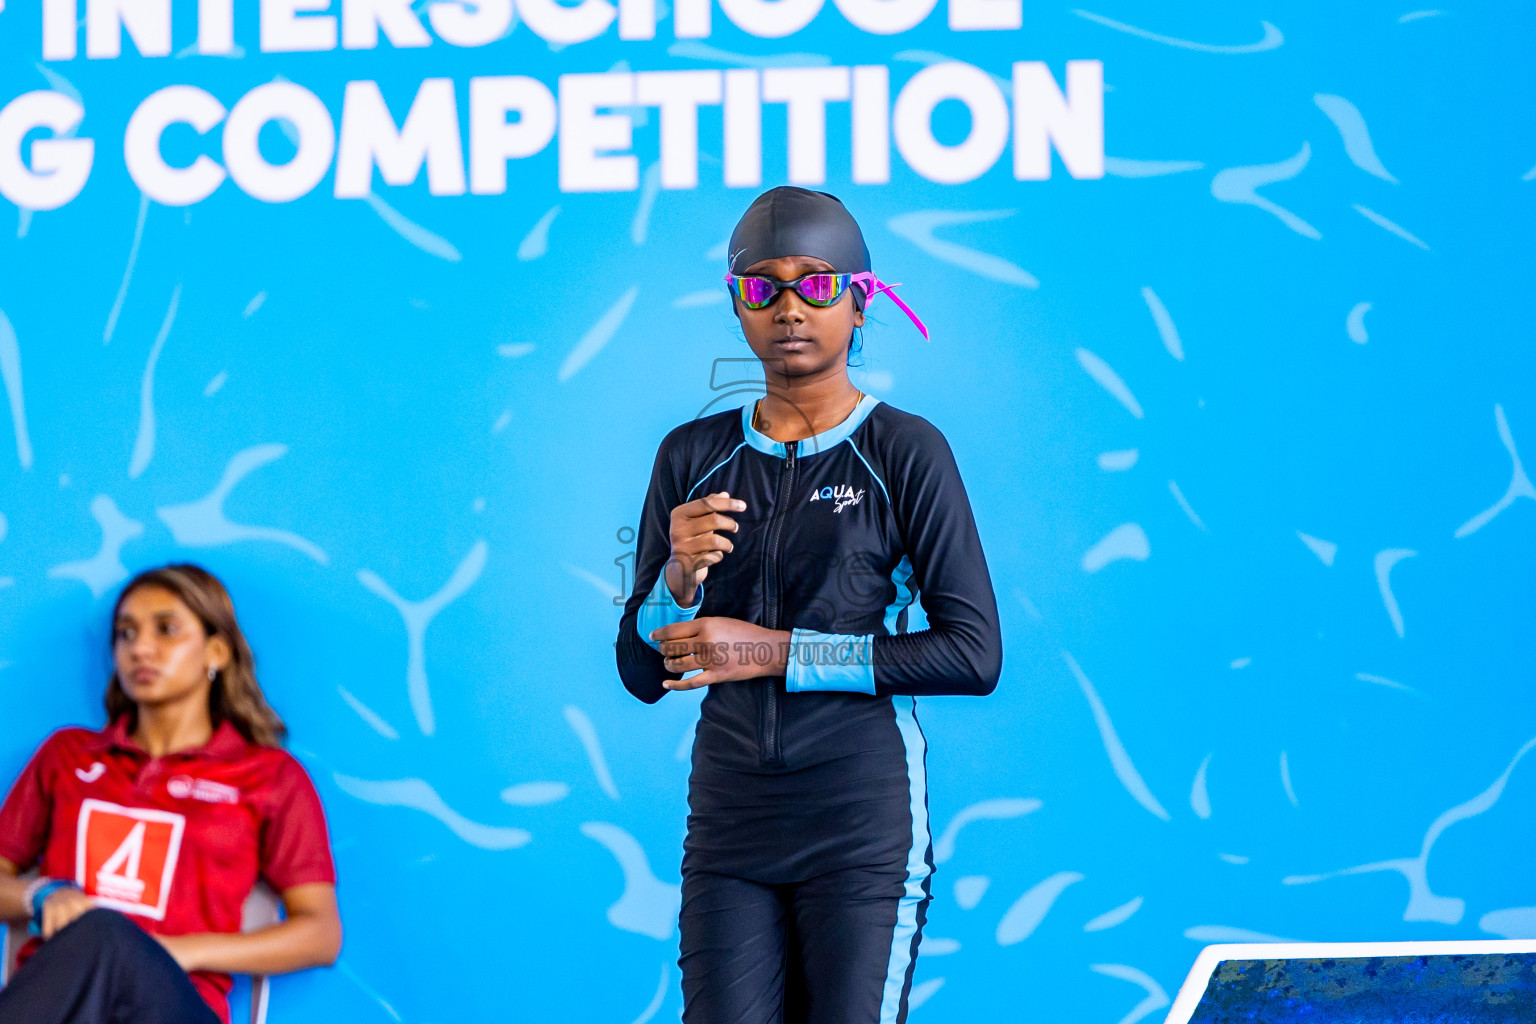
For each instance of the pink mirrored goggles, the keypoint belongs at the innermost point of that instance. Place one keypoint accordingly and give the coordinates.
(757, 292)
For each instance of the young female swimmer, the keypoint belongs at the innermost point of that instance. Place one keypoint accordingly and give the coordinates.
(150, 834)
(818, 515)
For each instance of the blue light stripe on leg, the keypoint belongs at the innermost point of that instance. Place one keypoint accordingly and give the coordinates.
(918, 869)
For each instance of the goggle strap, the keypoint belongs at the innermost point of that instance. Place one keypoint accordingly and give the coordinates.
(880, 286)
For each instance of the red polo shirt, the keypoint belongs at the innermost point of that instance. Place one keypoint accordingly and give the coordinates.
(175, 842)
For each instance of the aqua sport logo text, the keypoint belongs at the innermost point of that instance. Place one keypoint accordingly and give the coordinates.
(842, 494)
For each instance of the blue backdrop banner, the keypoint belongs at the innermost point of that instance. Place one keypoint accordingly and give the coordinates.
(380, 309)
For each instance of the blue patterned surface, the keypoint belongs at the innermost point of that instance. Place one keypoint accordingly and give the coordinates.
(1242, 423)
(1489, 989)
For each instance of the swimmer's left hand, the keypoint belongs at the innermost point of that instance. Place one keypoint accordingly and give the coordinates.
(721, 650)
(183, 949)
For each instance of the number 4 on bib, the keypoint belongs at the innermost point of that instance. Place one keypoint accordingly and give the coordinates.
(125, 857)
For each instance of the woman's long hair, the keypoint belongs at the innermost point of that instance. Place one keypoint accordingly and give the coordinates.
(235, 696)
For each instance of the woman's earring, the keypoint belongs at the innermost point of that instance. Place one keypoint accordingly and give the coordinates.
(212, 673)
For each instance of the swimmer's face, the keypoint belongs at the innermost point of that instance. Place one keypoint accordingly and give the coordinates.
(160, 650)
(791, 336)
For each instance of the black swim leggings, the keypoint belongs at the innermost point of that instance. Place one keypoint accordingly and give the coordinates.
(837, 949)
(102, 969)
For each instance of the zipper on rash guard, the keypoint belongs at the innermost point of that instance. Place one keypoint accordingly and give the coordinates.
(772, 750)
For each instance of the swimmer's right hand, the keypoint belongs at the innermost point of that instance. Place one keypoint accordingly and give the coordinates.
(61, 908)
(698, 536)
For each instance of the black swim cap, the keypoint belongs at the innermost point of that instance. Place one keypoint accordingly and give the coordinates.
(790, 221)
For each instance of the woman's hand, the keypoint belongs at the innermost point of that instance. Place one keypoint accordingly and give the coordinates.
(310, 936)
(62, 908)
(698, 542)
(725, 649)
(183, 949)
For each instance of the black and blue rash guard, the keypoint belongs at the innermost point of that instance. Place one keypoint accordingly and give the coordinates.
(860, 541)
(851, 538)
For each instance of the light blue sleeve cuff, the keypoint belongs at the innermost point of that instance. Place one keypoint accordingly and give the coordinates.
(830, 662)
(660, 609)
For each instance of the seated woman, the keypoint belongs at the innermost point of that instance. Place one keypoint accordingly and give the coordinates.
(149, 835)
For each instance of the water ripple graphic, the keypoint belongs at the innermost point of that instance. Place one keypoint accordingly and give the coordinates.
(1155, 999)
(919, 226)
(417, 616)
(1241, 185)
(1424, 904)
(1119, 760)
(10, 372)
(1346, 117)
(1021, 920)
(144, 442)
(418, 795)
(1271, 40)
(202, 523)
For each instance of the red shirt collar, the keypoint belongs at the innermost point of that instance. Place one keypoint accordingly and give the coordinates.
(226, 743)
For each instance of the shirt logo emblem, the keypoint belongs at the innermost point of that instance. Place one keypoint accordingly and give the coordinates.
(92, 773)
(183, 786)
(842, 494)
(125, 857)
